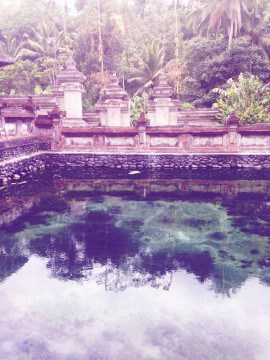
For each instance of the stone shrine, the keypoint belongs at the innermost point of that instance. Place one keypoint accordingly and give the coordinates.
(70, 82)
(162, 109)
(113, 105)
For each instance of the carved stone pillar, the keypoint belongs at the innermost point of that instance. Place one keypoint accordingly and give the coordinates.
(162, 106)
(58, 93)
(142, 124)
(70, 81)
(232, 123)
(113, 105)
(56, 115)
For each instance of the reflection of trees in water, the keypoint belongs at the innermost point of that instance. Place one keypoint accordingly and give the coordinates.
(110, 251)
(111, 257)
(265, 277)
(97, 249)
(10, 264)
(227, 279)
(73, 258)
(12, 256)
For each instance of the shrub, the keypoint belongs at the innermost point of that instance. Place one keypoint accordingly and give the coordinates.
(209, 64)
(19, 78)
(187, 106)
(247, 97)
(138, 105)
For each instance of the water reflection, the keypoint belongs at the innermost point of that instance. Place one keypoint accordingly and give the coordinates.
(129, 233)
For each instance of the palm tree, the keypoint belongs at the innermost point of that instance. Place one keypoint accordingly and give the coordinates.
(100, 42)
(259, 35)
(257, 27)
(218, 15)
(46, 43)
(150, 65)
(44, 48)
(12, 47)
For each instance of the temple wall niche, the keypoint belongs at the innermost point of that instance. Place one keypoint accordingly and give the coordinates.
(199, 140)
(164, 141)
(255, 140)
(120, 141)
(79, 141)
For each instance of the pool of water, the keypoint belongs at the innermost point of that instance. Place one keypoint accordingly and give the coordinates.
(136, 267)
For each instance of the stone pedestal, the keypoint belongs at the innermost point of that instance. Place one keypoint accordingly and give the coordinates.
(58, 93)
(162, 107)
(70, 85)
(142, 124)
(232, 123)
(113, 105)
(2, 127)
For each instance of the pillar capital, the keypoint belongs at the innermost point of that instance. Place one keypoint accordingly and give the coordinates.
(70, 74)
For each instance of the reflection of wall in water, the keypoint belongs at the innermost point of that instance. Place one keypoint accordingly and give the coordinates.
(81, 197)
(150, 187)
(14, 209)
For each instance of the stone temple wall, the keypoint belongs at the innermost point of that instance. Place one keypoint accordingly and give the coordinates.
(157, 161)
(175, 139)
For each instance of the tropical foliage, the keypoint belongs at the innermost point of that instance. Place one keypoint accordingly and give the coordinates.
(20, 78)
(200, 44)
(149, 66)
(247, 97)
(138, 105)
(210, 65)
(12, 47)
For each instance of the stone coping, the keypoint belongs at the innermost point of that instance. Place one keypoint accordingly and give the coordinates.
(172, 129)
(129, 152)
(157, 153)
(82, 131)
(133, 153)
(22, 140)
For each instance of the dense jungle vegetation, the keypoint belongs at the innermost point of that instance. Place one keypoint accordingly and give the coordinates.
(201, 44)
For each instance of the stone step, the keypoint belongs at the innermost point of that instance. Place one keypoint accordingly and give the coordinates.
(197, 113)
(197, 117)
(92, 122)
(199, 109)
(183, 118)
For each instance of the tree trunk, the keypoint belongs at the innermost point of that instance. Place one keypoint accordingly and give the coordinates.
(100, 45)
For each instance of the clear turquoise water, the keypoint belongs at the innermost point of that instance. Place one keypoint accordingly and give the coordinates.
(135, 269)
